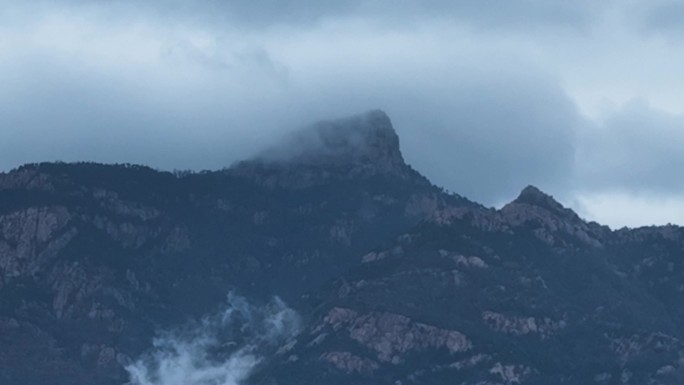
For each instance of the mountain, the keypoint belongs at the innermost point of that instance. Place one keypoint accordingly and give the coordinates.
(529, 294)
(396, 281)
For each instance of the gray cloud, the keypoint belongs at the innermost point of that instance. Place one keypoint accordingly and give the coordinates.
(637, 149)
(504, 124)
(486, 96)
(661, 16)
(488, 137)
(180, 104)
(496, 14)
(182, 111)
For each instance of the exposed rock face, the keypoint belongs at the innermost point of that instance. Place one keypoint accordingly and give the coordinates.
(26, 179)
(393, 335)
(528, 308)
(398, 282)
(511, 374)
(554, 224)
(522, 325)
(532, 196)
(349, 363)
(30, 238)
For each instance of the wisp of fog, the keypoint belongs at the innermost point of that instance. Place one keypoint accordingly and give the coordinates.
(220, 349)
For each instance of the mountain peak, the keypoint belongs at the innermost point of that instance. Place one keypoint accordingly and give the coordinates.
(360, 145)
(551, 217)
(363, 138)
(533, 196)
(532, 199)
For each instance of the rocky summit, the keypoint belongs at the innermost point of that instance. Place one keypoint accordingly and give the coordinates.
(394, 281)
(356, 147)
(368, 138)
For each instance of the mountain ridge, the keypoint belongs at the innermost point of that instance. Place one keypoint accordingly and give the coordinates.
(396, 280)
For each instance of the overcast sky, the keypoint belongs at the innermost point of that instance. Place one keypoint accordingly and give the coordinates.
(582, 98)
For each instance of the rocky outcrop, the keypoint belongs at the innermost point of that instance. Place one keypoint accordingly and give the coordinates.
(30, 238)
(27, 177)
(629, 347)
(350, 363)
(511, 374)
(392, 336)
(551, 222)
(520, 326)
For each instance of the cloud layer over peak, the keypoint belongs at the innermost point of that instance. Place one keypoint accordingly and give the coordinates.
(581, 98)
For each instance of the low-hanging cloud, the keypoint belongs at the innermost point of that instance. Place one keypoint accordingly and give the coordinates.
(487, 97)
(221, 349)
(194, 100)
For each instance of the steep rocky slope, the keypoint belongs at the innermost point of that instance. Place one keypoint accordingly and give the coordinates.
(529, 294)
(396, 281)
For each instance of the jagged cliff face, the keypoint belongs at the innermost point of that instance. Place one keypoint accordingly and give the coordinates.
(396, 281)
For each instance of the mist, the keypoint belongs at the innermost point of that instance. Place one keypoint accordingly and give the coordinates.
(220, 349)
